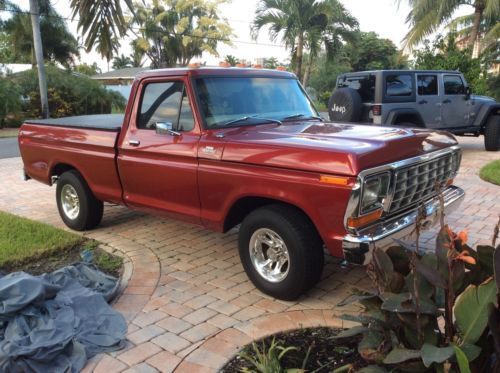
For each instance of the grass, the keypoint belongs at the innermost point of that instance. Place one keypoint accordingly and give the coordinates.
(37, 248)
(491, 172)
(9, 132)
(22, 239)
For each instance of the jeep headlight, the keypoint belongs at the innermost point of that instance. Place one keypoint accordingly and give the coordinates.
(374, 191)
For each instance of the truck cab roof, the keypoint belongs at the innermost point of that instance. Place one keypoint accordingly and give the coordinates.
(215, 71)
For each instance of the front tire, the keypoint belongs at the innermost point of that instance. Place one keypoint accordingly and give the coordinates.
(281, 251)
(492, 133)
(77, 205)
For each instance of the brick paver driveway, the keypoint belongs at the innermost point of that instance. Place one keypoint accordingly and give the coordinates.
(188, 301)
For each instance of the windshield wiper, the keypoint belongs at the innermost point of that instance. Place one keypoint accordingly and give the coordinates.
(293, 116)
(245, 118)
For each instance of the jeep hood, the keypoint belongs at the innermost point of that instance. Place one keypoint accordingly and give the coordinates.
(333, 148)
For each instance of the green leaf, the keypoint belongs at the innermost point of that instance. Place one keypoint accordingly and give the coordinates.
(400, 259)
(472, 310)
(496, 266)
(485, 257)
(384, 266)
(432, 354)
(372, 369)
(463, 363)
(471, 351)
(402, 303)
(398, 355)
(368, 348)
(427, 268)
(355, 298)
(355, 330)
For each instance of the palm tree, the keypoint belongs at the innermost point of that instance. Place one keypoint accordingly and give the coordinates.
(488, 33)
(426, 16)
(232, 60)
(302, 24)
(102, 23)
(122, 62)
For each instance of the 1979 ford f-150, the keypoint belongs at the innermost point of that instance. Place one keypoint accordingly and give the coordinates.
(222, 147)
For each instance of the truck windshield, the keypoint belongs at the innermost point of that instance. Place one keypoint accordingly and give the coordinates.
(228, 100)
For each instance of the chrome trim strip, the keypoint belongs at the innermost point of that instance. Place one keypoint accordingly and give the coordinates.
(357, 248)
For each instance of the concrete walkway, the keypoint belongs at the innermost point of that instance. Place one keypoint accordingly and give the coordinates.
(189, 304)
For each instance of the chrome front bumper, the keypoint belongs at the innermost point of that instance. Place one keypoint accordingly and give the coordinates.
(357, 247)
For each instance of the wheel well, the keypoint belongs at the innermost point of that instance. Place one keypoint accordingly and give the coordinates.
(246, 205)
(61, 168)
(409, 118)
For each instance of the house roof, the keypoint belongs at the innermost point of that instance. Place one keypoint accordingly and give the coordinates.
(127, 73)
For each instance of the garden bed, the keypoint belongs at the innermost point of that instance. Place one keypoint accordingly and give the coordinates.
(313, 350)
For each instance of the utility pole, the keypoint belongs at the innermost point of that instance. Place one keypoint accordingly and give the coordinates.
(37, 43)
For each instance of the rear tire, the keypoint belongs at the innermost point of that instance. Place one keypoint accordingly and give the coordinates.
(492, 133)
(345, 105)
(281, 251)
(77, 205)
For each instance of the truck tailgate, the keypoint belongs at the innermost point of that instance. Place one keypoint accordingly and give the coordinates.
(48, 149)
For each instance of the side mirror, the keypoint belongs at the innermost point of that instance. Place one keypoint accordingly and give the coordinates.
(468, 92)
(165, 128)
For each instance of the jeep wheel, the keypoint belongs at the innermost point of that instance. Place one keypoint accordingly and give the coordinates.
(281, 251)
(492, 133)
(77, 205)
(345, 105)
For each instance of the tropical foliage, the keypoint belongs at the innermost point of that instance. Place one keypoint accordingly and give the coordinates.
(426, 16)
(16, 41)
(102, 23)
(87, 69)
(305, 26)
(121, 62)
(69, 94)
(436, 310)
(10, 100)
(173, 32)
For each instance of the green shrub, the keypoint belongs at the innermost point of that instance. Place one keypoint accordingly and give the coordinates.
(431, 310)
(10, 101)
(69, 94)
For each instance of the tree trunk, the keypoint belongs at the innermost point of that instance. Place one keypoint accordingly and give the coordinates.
(298, 56)
(307, 73)
(478, 15)
(37, 42)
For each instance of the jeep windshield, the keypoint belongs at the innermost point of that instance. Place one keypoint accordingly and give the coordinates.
(240, 101)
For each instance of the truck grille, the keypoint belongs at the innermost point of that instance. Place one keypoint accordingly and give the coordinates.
(418, 182)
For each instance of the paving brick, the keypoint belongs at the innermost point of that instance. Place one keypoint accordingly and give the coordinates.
(164, 361)
(224, 307)
(141, 368)
(147, 318)
(206, 358)
(171, 342)
(248, 313)
(174, 325)
(200, 301)
(222, 321)
(221, 347)
(187, 367)
(145, 334)
(176, 309)
(109, 364)
(139, 353)
(199, 332)
(199, 316)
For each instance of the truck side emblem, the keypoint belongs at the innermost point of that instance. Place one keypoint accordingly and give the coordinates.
(209, 150)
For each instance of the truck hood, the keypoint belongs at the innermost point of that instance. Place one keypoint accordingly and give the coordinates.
(333, 148)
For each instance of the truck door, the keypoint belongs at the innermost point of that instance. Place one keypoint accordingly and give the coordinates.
(157, 159)
(456, 106)
(428, 100)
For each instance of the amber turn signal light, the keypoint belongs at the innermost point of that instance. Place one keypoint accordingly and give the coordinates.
(336, 180)
(365, 219)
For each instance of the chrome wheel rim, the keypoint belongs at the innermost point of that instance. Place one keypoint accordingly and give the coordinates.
(269, 255)
(70, 201)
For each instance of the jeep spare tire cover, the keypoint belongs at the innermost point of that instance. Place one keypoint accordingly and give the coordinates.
(345, 105)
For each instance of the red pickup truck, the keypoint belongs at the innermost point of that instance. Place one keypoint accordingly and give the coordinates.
(227, 147)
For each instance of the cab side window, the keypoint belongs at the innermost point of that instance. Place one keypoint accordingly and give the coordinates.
(427, 85)
(399, 85)
(453, 85)
(165, 102)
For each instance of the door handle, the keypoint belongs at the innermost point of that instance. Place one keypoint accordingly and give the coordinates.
(134, 142)
(447, 101)
(422, 102)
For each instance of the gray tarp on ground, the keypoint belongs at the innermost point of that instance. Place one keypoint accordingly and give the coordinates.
(55, 322)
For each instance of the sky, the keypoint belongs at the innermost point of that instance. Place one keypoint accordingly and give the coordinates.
(384, 17)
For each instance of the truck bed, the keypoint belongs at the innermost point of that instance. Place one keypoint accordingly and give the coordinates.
(103, 122)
